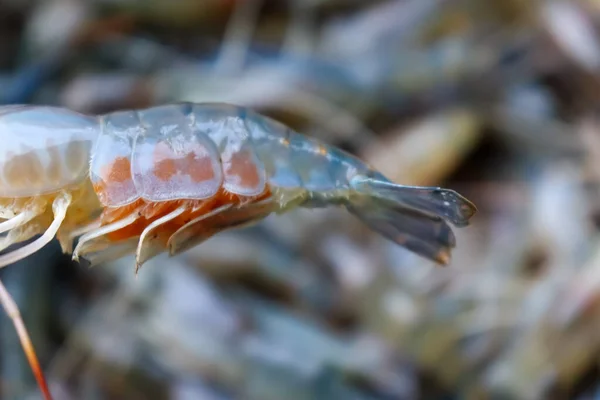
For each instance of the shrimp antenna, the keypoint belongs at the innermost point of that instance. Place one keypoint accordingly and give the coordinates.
(11, 308)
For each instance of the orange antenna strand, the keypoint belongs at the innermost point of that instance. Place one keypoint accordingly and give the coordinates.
(12, 310)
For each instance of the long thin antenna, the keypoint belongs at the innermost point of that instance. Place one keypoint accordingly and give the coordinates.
(13, 312)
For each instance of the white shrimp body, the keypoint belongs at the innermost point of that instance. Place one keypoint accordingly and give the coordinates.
(43, 149)
(167, 178)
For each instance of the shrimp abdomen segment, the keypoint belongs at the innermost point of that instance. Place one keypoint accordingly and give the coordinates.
(227, 127)
(171, 159)
(110, 170)
(300, 163)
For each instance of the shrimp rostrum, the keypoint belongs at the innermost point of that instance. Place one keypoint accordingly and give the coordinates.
(166, 178)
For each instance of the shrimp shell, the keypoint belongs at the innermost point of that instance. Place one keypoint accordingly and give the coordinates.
(166, 178)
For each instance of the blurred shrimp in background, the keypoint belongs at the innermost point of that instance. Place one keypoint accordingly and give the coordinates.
(497, 99)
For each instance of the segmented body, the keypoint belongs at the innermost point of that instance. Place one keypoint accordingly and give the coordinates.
(190, 151)
(169, 177)
(180, 151)
(175, 164)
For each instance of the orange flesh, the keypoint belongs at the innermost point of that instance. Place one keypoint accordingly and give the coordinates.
(242, 166)
(117, 172)
(168, 164)
(164, 163)
(198, 168)
(120, 170)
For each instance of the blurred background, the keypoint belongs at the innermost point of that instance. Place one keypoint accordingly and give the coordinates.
(497, 99)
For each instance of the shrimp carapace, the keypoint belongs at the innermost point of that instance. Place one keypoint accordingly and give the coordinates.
(166, 178)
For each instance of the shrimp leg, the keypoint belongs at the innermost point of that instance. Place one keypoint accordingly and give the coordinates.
(202, 228)
(20, 226)
(152, 237)
(193, 232)
(93, 240)
(59, 207)
(13, 312)
(18, 220)
(110, 251)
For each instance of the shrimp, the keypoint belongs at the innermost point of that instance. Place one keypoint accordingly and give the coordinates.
(169, 177)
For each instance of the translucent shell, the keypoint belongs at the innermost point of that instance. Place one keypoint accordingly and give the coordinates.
(294, 161)
(172, 159)
(191, 151)
(156, 154)
(272, 145)
(310, 159)
(110, 170)
(165, 175)
(243, 172)
(43, 149)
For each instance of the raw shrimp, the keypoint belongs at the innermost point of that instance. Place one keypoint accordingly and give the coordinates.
(166, 178)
